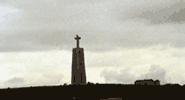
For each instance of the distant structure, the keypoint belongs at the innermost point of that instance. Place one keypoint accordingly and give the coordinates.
(157, 82)
(78, 65)
(147, 82)
(112, 99)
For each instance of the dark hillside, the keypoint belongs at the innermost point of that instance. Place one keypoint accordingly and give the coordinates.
(96, 92)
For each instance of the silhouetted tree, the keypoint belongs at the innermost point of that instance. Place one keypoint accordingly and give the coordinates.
(65, 84)
(89, 83)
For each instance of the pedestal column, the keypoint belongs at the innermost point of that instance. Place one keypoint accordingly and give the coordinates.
(78, 66)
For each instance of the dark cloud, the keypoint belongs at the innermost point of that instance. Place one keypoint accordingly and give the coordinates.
(171, 12)
(155, 73)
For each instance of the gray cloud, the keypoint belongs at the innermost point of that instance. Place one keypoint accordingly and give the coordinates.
(113, 76)
(178, 54)
(54, 24)
(47, 79)
(15, 80)
(47, 40)
(182, 82)
(52, 79)
(36, 40)
(155, 72)
(166, 12)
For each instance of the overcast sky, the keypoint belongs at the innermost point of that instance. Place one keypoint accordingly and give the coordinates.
(123, 40)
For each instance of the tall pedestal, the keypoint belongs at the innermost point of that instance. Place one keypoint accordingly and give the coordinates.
(78, 67)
